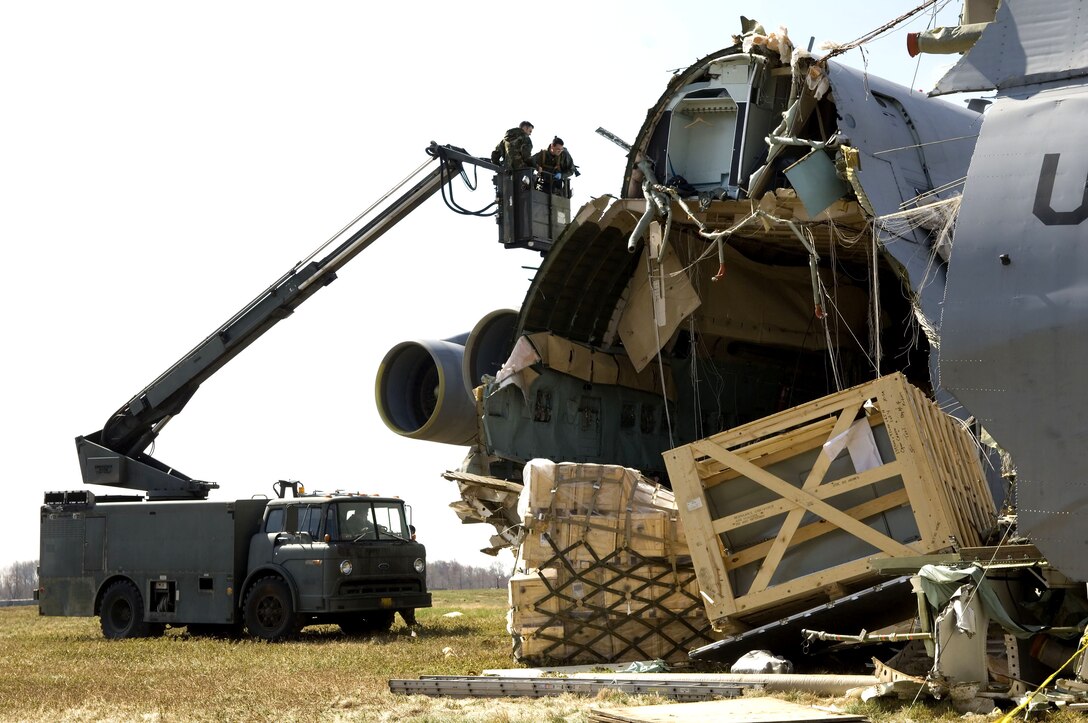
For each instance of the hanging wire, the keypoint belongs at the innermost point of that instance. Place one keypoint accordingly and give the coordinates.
(660, 288)
(874, 34)
(922, 145)
(929, 26)
(874, 295)
(490, 209)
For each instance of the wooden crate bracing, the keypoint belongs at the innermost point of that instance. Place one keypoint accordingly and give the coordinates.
(772, 520)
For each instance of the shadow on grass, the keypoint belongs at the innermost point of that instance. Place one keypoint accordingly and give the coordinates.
(319, 634)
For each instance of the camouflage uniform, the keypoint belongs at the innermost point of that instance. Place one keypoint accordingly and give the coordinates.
(550, 165)
(515, 150)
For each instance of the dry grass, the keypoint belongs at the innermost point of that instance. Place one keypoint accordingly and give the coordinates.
(62, 669)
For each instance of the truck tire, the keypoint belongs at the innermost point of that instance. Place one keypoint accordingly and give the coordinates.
(269, 611)
(366, 623)
(122, 612)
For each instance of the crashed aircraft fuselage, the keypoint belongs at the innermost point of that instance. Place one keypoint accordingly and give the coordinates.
(738, 274)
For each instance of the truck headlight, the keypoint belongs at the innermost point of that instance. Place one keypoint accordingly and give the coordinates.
(345, 567)
(419, 565)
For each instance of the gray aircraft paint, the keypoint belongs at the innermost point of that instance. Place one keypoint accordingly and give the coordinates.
(1016, 314)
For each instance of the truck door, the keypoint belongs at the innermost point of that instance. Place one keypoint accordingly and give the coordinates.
(303, 554)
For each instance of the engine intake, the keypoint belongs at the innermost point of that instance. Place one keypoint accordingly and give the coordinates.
(424, 387)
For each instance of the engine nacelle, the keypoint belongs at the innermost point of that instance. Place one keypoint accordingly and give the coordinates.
(424, 387)
(489, 345)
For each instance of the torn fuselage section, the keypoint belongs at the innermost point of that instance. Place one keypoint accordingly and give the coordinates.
(727, 284)
(710, 136)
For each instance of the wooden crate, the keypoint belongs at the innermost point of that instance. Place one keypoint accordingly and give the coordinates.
(772, 520)
(530, 603)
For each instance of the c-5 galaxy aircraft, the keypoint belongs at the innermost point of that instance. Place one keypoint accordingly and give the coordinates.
(783, 230)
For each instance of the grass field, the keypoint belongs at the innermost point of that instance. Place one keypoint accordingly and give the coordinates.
(62, 669)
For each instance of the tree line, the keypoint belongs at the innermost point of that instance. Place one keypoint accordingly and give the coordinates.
(19, 579)
(452, 575)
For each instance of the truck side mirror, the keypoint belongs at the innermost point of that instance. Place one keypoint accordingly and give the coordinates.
(291, 523)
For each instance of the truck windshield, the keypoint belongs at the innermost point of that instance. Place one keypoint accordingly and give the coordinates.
(367, 520)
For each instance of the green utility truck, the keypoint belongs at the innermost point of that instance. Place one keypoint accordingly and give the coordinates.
(168, 556)
(265, 567)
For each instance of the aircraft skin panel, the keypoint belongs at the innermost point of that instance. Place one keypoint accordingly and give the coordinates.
(1029, 42)
(1015, 328)
(581, 280)
(899, 139)
(935, 123)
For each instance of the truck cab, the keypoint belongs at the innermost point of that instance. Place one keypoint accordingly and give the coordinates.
(348, 559)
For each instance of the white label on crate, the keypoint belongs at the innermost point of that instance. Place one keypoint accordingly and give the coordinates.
(694, 504)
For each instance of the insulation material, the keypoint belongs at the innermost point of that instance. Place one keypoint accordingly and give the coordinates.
(517, 369)
(608, 577)
(937, 218)
(775, 42)
(656, 305)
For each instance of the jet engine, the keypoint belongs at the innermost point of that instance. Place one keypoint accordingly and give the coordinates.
(424, 387)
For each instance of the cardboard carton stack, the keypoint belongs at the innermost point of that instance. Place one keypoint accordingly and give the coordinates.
(607, 576)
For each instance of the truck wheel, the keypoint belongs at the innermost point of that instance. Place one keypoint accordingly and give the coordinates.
(366, 623)
(270, 614)
(122, 612)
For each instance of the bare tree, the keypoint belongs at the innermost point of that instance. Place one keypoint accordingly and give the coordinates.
(452, 575)
(18, 580)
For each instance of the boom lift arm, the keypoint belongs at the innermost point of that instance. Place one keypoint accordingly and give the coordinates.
(115, 454)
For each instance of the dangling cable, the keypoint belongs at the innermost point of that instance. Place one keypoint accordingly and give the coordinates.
(490, 209)
(659, 287)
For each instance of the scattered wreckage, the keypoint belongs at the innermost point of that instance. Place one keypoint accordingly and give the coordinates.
(761, 386)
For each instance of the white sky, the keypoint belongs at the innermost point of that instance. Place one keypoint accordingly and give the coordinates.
(162, 163)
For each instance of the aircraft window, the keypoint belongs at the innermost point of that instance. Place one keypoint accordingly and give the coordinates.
(649, 418)
(670, 410)
(542, 408)
(589, 414)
